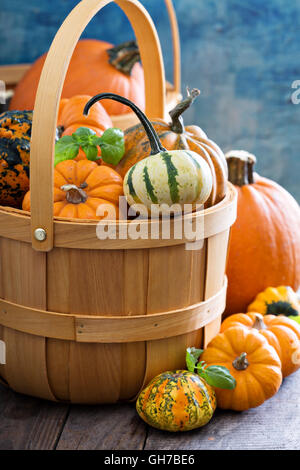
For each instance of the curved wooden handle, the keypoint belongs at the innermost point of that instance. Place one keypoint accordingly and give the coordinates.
(176, 46)
(49, 93)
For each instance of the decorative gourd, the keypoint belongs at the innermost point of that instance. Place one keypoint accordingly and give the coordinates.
(176, 401)
(95, 66)
(251, 361)
(176, 136)
(280, 300)
(281, 333)
(15, 134)
(81, 187)
(175, 177)
(264, 248)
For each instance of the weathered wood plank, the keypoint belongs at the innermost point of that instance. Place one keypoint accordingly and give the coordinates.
(110, 427)
(275, 425)
(28, 423)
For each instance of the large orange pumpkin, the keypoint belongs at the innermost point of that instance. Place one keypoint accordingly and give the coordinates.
(281, 333)
(174, 136)
(95, 67)
(264, 249)
(81, 187)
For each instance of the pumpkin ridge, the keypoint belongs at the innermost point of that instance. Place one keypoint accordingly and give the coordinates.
(172, 172)
(149, 186)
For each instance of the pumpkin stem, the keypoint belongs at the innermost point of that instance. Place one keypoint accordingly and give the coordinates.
(155, 143)
(241, 362)
(124, 56)
(259, 323)
(74, 194)
(176, 114)
(240, 167)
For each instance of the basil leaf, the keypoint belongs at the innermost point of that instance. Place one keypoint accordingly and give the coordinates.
(83, 133)
(191, 358)
(65, 149)
(91, 151)
(218, 376)
(112, 145)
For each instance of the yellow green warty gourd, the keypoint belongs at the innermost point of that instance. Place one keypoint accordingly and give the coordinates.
(165, 177)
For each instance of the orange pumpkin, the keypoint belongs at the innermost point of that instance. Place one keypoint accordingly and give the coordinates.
(264, 248)
(253, 363)
(81, 187)
(70, 118)
(175, 136)
(95, 67)
(281, 333)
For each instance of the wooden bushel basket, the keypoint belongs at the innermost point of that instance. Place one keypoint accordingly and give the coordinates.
(86, 320)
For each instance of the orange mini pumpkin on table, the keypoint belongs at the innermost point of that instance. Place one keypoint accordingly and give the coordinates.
(80, 188)
(253, 363)
(281, 333)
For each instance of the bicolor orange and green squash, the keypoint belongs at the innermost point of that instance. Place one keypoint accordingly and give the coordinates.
(251, 360)
(15, 134)
(281, 333)
(281, 300)
(176, 401)
(176, 136)
(80, 188)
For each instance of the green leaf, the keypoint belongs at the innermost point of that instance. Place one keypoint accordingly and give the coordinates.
(191, 358)
(112, 145)
(296, 318)
(91, 151)
(83, 133)
(65, 149)
(218, 376)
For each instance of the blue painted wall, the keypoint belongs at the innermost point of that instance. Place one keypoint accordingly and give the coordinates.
(243, 55)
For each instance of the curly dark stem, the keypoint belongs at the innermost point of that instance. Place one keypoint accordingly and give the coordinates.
(155, 143)
(124, 56)
(176, 113)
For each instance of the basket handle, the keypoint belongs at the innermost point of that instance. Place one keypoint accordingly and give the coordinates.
(176, 46)
(49, 93)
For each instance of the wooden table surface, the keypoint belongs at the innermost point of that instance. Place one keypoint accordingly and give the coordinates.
(29, 423)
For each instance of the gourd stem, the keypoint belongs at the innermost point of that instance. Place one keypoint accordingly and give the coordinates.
(259, 323)
(155, 144)
(124, 56)
(241, 362)
(74, 195)
(240, 167)
(176, 113)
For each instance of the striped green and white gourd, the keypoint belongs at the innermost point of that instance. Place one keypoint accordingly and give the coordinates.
(169, 177)
(165, 177)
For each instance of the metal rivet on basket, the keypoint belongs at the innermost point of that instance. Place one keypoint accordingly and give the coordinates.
(40, 234)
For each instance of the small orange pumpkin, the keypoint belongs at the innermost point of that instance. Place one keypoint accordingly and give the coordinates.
(81, 187)
(70, 118)
(281, 333)
(253, 363)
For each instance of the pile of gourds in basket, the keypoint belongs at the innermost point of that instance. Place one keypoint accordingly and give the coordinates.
(161, 163)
